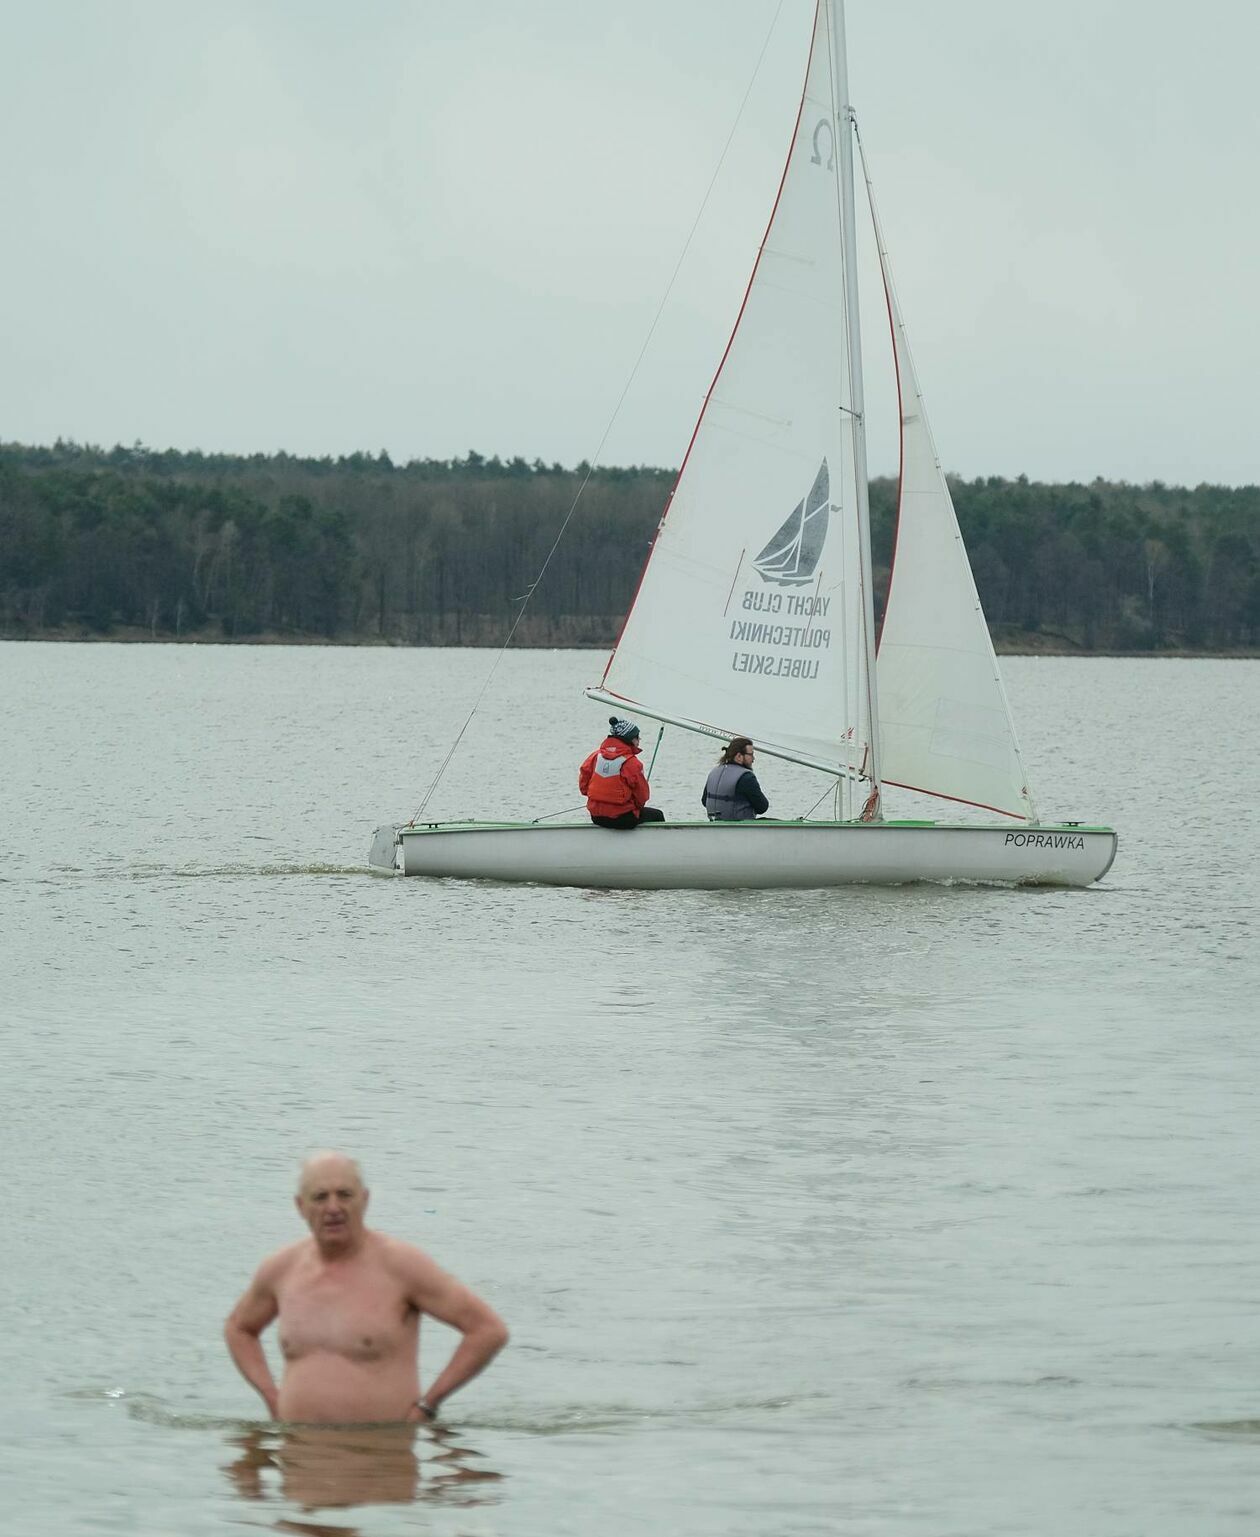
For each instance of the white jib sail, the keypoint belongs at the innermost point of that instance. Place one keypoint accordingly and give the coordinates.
(739, 622)
(945, 726)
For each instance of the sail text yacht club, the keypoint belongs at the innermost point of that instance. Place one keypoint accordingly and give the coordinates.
(755, 611)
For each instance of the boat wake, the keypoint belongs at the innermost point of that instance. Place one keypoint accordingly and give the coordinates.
(241, 871)
(1228, 1430)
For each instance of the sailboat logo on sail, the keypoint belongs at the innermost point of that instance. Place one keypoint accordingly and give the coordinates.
(789, 559)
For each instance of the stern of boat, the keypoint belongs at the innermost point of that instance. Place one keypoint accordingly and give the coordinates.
(383, 855)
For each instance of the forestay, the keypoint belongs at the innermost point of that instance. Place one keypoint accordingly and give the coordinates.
(748, 615)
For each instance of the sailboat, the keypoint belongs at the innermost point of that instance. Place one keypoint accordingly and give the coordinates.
(755, 612)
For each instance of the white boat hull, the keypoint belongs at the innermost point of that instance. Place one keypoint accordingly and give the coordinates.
(763, 854)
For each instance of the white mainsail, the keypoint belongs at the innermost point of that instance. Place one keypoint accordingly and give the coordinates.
(747, 616)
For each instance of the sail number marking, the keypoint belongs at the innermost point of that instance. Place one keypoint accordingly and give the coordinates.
(824, 126)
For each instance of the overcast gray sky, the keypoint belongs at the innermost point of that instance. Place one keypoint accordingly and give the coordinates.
(435, 225)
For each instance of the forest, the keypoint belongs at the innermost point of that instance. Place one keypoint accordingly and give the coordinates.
(136, 543)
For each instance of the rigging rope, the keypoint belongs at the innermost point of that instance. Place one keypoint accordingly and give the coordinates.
(830, 790)
(594, 460)
(659, 738)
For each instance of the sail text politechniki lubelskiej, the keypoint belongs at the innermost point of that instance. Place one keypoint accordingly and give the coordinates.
(780, 635)
(761, 665)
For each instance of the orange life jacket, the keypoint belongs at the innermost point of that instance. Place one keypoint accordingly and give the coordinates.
(612, 779)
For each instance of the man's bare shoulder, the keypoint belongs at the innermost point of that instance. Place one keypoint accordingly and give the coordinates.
(432, 1290)
(418, 1273)
(277, 1266)
(402, 1256)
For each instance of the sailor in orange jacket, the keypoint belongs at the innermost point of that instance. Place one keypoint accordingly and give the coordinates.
(613, 781)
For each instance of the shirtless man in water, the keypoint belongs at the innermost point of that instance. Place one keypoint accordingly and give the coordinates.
(349, 1301)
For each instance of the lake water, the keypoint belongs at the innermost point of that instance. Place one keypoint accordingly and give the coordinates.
(865, 1212)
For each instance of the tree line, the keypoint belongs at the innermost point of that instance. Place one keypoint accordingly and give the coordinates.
(173, 545)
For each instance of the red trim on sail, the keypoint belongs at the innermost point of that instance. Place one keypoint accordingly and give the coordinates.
(730, 342)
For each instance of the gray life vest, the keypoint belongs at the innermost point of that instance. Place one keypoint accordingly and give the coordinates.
(720, 800)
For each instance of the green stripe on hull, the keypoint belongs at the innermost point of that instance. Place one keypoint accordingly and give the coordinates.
(970, 827)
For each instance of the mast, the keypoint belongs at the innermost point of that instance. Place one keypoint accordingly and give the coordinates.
(848, 235)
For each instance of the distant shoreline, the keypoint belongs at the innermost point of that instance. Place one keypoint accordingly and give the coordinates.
(139, 545)
(1025, 645)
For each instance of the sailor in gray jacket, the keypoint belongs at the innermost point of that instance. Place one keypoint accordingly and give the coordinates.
(731, 792)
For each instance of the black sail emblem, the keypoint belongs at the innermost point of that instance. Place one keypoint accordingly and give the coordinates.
(791, 556)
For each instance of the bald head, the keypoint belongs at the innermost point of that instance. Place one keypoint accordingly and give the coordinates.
(328, 1164)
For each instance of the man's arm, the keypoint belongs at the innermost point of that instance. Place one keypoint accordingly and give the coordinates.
(432, 1291)
(247, 1320)
(750, 789)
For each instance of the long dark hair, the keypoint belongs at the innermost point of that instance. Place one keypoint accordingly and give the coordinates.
(736, 748)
